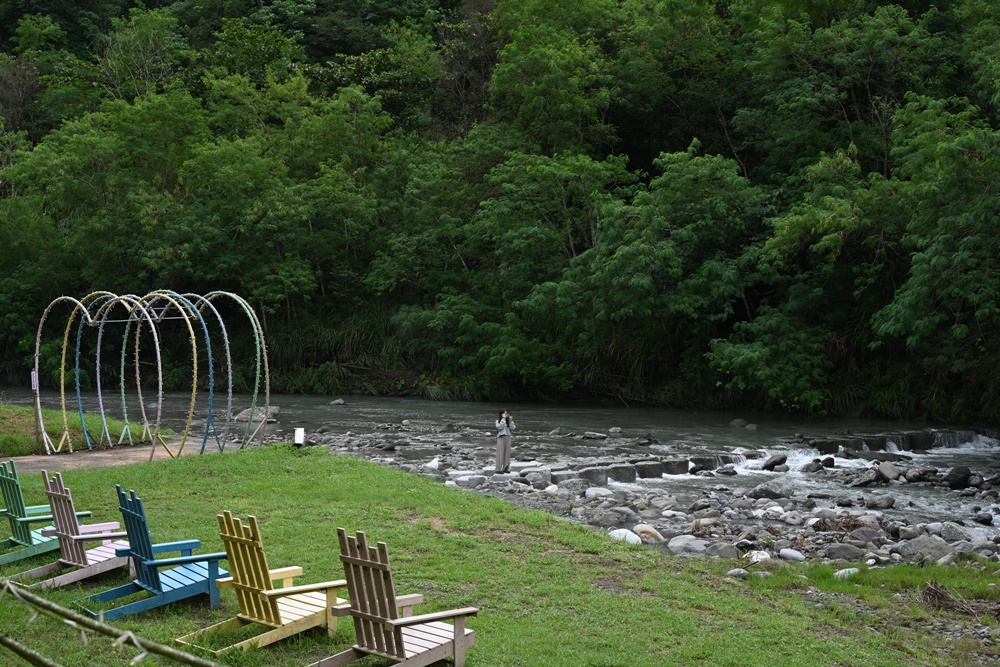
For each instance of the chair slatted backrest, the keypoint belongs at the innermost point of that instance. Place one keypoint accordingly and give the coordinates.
(13, 501)
(373, 595)
(248, 568)
(140, 544)
(64, 514)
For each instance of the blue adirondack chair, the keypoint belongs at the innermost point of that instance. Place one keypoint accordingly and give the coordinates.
(24, 541)
(166, 580)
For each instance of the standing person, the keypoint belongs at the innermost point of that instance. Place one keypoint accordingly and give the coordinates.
(505, 424)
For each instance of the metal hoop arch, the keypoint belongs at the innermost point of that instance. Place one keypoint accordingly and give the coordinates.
(143, 310)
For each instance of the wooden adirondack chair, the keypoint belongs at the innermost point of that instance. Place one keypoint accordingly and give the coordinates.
(32, 542)
(73, 537)
(288, 610)
(167, 579)
(382, 621)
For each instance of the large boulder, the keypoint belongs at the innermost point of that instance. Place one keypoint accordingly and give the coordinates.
(258, 413)
(842, 551)
(932, 546)
(958, 477)
(775, 488)
(774, 461)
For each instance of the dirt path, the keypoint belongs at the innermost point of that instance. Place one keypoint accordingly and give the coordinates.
(99, 458)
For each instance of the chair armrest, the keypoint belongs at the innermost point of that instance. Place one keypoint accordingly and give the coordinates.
(99, 527)
(427, 618)
(404, 602)
(306, 588)
(44, 518)
(407, 601)
(38, 509)
(184, 560)
(186, 545)
(98, 537)
(285, 574)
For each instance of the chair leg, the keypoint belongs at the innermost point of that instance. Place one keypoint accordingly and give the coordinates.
(459, 641)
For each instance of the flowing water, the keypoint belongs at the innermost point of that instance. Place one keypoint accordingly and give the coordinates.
(671, 430)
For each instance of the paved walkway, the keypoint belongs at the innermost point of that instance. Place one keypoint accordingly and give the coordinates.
(100, 458)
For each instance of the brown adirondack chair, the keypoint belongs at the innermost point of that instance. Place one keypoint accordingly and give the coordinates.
(24, 541)
(287, 611)
(72, 540)
(382, 621)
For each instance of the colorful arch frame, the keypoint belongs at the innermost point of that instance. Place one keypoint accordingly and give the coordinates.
(149, 312)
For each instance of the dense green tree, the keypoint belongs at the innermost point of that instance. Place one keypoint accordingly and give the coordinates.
(947, 309)
(824, 88)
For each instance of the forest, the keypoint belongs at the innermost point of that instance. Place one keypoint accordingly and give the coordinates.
(788, 205)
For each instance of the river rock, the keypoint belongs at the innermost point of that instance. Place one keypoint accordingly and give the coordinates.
(598, 492)
(846, 573)
(957, 477)
(844, 551)
(337, 401)
(627, 514)
(775, 488)
(722, 550)
(258, 413)
(791, 554)
(602, 518)
(677, 543)
(984, 518)
(739, 423)
(863, 535)
(952, 532)
(774, 461)
(695, 547)
(793, 518)
(813, 466)
(471, 482)
(880, 502)
(625, 535)
(593, 435)
(866, 478)
(648, 534)
(738, 573)
(931, 546)
(888, 470)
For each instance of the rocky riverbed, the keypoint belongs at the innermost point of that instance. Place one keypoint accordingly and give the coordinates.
(855, 519)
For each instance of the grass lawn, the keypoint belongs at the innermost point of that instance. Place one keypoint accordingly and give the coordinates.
(19, 428)
(549, 592)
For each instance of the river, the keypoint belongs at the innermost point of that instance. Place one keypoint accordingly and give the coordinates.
(553, 433)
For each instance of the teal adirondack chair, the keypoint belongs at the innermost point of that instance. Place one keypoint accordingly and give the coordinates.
(166, 580)
(24, 542)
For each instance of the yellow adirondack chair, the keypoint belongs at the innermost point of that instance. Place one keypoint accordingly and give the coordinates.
(287, 611)
(81, 563)
(383, 622)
